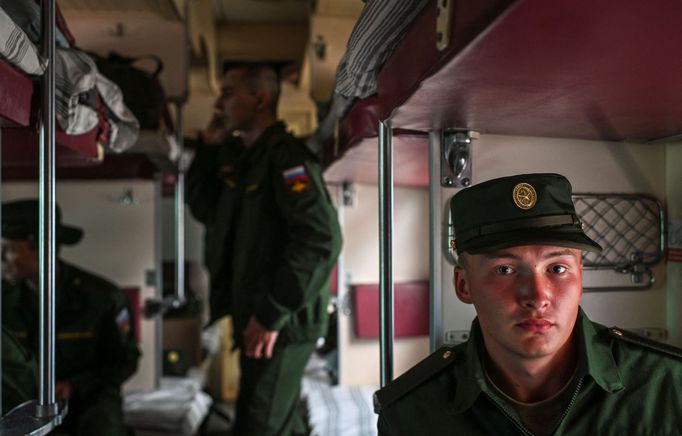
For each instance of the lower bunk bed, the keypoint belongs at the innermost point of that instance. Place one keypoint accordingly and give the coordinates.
(336, 410)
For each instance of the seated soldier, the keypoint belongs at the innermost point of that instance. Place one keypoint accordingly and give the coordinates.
(534, 363)
(95, 346)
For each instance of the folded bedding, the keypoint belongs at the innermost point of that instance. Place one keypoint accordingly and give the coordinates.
(381, 26)
(17, 48)
(26, 15)
(78, 81)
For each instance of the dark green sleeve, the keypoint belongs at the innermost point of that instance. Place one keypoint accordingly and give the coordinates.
(203, 184)
(19, 373)
(117, 349)
(382, 426)
(313, 237)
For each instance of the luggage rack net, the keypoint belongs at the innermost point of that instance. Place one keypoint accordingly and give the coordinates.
(629, 227)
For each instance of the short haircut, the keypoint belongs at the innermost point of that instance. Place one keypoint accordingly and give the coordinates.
(259, 76)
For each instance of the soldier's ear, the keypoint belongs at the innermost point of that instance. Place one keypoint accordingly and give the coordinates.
(461, 283)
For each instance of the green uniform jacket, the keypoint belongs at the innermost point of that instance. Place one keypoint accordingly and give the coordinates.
(272, 233)
(625, 388)
(96, 349)
(19, 376)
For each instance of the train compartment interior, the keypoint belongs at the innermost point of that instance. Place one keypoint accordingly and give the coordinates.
(455, 92)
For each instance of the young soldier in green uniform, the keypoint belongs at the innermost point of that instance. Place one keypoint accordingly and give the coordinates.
(534, 363)
(95, 346)
(272, 240)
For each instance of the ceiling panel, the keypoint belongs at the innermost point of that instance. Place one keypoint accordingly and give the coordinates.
(339, 8)
(261, 11)
(164, 8)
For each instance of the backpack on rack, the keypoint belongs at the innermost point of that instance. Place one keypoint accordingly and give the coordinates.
(142, 91)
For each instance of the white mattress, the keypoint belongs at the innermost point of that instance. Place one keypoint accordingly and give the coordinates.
(340, 410)
(178, 407)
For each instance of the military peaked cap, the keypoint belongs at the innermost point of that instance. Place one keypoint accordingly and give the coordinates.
(20, 223)
(526, 209)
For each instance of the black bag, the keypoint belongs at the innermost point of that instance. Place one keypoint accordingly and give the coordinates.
(142, 91)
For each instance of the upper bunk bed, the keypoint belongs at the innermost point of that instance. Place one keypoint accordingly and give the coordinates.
(113, 123)
(20, 68)
(583, 70)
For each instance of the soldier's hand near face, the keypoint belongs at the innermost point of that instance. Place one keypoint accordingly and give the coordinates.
(259, 342)
(216, 132)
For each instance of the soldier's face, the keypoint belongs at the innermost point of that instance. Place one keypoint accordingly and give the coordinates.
(237, 104)
(526, 298)
(19, 260)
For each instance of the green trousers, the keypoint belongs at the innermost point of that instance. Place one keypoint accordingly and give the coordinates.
(269, 391)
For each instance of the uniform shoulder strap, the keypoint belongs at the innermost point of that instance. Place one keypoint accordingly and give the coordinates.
(632, 338)
(415, 376)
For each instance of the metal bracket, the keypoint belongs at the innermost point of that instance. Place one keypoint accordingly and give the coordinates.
(456, 158)
(637, 269)
(443, 23)
(348, 192)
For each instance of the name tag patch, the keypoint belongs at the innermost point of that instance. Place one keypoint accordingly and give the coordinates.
(71, 336)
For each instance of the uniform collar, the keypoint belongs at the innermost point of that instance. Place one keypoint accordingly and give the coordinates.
(469, 372)
(596, 361)
(254, 152)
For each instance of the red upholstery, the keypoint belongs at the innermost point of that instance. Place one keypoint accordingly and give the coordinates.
(133, 294)
(334, 281)
(355, 153)
(411, 313)
(417, 57)
(588, 69)
(16, 92)
(20, 148)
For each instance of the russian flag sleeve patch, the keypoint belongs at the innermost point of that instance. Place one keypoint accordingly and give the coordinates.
(296, 178)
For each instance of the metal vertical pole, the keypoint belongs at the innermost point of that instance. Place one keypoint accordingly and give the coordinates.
(1, 293)
(179, 211)
(47, 406)
(386, 251)
(158, 293)
(435, 241)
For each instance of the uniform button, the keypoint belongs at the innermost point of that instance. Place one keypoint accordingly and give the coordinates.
(447, 354)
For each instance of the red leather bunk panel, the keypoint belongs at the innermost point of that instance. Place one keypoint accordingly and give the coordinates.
(114, 167)
(411, 314)
(357, 143)
(20, 148)
(133, 294)
(417, 57)
(16, 93)
(588, 69)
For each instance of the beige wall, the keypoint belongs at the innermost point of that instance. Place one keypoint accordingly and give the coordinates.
(674, 190)
(591, 167)
(359, 359)
(118, 243)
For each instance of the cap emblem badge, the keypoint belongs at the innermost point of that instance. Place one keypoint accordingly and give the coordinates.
(524, 196)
